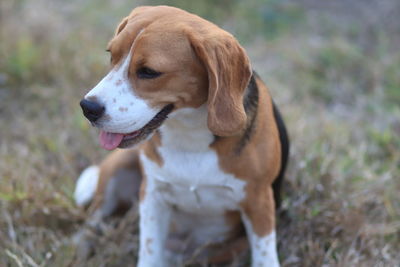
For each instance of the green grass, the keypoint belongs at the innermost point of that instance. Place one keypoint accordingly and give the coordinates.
(334, 76)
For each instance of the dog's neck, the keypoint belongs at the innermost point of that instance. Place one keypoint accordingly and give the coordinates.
(186, 130)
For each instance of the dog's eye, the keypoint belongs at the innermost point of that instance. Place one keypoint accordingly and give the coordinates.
(147, 73)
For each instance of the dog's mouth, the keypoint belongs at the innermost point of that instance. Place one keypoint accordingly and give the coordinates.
(111, 141)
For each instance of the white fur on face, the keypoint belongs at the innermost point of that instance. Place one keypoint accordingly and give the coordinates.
(124, 111)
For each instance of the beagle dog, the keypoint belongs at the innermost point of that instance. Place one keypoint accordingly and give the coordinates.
(206, 142)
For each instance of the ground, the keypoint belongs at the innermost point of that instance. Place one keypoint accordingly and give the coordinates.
(332, 67)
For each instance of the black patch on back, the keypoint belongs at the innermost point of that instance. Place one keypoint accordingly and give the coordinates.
(250, 103)
(284, 140)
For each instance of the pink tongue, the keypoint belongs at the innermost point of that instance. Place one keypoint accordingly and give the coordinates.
(110, 141)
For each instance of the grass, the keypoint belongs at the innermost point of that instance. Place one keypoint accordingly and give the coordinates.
(332, 69)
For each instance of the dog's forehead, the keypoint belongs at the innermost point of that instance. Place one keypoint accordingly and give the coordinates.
(155, 39)
(155, 35)
(160, 45)
(161, 21)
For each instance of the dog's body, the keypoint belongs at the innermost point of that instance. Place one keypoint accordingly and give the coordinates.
(207, 170)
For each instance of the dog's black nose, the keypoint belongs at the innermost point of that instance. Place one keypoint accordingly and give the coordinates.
(92, 110)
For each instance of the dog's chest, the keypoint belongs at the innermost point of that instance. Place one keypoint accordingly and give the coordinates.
(194, 182)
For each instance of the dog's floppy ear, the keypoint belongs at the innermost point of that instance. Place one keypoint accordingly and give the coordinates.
(229, 72)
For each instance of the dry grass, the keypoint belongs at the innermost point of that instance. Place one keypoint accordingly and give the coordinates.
(332, 68)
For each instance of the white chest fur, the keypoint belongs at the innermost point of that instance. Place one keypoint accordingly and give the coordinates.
(190, 177)
(193, 182)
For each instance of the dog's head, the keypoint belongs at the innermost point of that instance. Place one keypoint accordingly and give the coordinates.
(164, 59)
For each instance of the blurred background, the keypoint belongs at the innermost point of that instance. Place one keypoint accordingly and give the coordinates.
(332, 67)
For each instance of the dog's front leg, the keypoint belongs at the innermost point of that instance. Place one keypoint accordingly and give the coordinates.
(258, 216)
(154, 225)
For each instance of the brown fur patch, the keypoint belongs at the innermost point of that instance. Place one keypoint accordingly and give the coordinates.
(142, 190)
(258, 164)
(150, 149)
